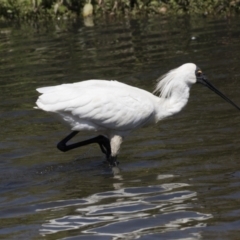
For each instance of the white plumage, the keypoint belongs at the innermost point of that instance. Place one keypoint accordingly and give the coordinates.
(114, 109)
(98, 105)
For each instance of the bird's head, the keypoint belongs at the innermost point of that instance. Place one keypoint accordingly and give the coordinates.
(182, 78)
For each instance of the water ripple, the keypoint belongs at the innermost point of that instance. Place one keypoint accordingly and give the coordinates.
(130, 212)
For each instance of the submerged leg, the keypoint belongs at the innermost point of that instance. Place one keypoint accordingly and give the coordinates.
(103, 142)
(113, 161)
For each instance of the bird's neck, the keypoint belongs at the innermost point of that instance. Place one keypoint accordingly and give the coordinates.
(174, 103)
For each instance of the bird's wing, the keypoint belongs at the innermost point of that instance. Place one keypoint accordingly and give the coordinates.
(106, 104)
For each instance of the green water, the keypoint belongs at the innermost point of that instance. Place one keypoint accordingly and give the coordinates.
(179, 179)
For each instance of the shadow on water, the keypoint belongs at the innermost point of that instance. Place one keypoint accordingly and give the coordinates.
(178, 180)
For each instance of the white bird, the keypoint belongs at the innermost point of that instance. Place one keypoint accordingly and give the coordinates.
(113, 109)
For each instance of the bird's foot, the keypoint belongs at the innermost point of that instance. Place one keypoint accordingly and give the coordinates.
(113, 161)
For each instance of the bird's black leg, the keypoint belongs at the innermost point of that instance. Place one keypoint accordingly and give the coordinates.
(62, 144)
(105, 146)
(113, 161)
(103, 142)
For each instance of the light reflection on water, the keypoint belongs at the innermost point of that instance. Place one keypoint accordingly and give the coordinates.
(131, 213)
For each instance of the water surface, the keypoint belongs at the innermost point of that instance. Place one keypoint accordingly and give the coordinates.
(178, 180)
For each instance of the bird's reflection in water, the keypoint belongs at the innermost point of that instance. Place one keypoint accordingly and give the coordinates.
(132, 212)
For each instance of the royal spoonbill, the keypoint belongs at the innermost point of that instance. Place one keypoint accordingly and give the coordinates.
(113, 109)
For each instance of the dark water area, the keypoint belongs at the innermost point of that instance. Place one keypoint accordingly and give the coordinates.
(179, 179)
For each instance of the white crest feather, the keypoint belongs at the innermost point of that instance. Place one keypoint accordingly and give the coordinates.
(166, 84)
(176, 80)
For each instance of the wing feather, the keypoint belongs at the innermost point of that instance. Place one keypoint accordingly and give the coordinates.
(99, 104)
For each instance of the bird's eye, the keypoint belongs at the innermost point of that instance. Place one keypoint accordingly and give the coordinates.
(199, 73)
